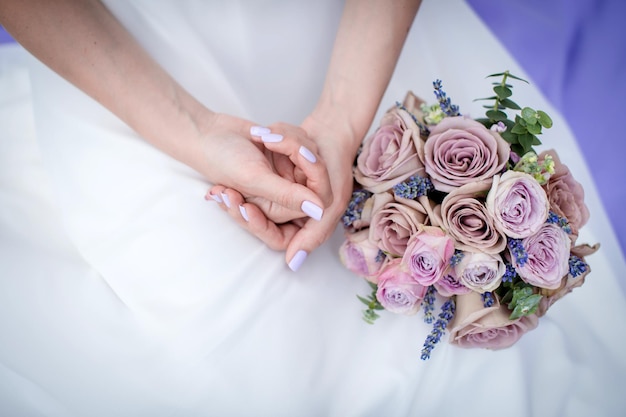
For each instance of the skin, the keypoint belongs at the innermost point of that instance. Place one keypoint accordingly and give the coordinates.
(84, 43)
(367, 47)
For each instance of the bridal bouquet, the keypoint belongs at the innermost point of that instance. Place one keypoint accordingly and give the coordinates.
(464, 213)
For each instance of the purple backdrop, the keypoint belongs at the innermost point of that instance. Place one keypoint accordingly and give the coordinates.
(575, 52)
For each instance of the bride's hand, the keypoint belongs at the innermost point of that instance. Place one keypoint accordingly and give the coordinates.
(299, 191)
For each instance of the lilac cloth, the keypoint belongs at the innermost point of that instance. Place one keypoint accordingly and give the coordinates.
(574, 51)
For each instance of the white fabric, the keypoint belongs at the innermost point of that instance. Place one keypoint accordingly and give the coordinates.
(124, 293)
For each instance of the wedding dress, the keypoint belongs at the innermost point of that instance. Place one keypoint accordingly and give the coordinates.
(124, 293)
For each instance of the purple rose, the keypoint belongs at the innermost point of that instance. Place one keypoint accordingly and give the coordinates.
(481, 272)
(428, 254)
(461, 150)
(464, 216)
(359, 255)
(389, 156)
(476, 326)
(398, 291)
(548, 255)
(393, 223)
(517, 203)
(450, 285)
(565, 194)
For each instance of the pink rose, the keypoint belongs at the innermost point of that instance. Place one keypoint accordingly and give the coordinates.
(518, 204)
(548, 255)
(479, 271)
(360, 255)
(393, 223)
(397, 291)
(450, 285)
(568, 282)
(389, 156)
(486, 327)
(428, 254)
(565, 194)
(464, 216)
(460, 150)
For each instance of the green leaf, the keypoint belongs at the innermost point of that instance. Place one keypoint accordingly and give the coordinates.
(536, 141)
(510, 104)
(520, 294)
(544, 119)
(485, 122)
(509, 137)
(364, 300)
(535, 129)
(509, 123)
(526, 140)
(517, 78)
(519, 129)
(500, 74)
(502, 92)
(525, 306)
(486, 98)
(496, 115)
(529, 115)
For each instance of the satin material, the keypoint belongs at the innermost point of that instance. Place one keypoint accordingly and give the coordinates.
(125, 293)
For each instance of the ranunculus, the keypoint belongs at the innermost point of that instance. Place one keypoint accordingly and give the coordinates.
(359, 255)
(398, 291)
(565, 194)
(428, 254)
(486, 327)
(518, 204)
(548, 255)
(464, 216)
(480, 271)
(450, 285)
(393, 223)
(568, 282)
(389, 155)
(460, 150)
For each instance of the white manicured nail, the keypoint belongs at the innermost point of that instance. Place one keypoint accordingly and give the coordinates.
(312, 210)
(226, 200)
(244, 213)
(271, 138)
(296, 262)
(308, 155)
(216, 197)
(259, 131)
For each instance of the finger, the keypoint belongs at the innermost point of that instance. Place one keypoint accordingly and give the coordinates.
(276, 237)
(294, 143)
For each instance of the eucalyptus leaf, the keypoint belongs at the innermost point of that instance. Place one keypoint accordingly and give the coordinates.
(509, 137)
(485, 98)
(526, 140)
(517, 78)
(520, 294)
(529, 115)
(535, 129)
(495, 75)
(510, 104)
(502, 92)
(496, 115)
(364, 300)
(544, 119)
(519, 129)
(526, 306)
(536, 141)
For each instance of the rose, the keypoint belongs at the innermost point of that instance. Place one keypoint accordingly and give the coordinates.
(461, 150)
(486, 327)
(359, 255)
(465, 218)
(450, 285)
(568, 282)
(517, 203)
(479, 271)
(565, 194)
(393, 223)
(428, 254)
(389, 156)
(398, 291)
(547, 257)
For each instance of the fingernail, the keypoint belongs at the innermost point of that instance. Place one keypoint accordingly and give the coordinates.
(312, 210)
(244, 213)
(296, 262)
(271, 138)
(226, 200)
(214, 197)
(259, 131)
(308, 155)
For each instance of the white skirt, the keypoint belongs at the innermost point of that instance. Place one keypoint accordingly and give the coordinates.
(124, 293)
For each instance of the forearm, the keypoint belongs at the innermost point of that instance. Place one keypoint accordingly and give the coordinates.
(367, 47)
(85, 44)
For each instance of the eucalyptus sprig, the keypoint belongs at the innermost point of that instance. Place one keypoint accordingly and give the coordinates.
(522, 131)
(370, 315)
(520, 297)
